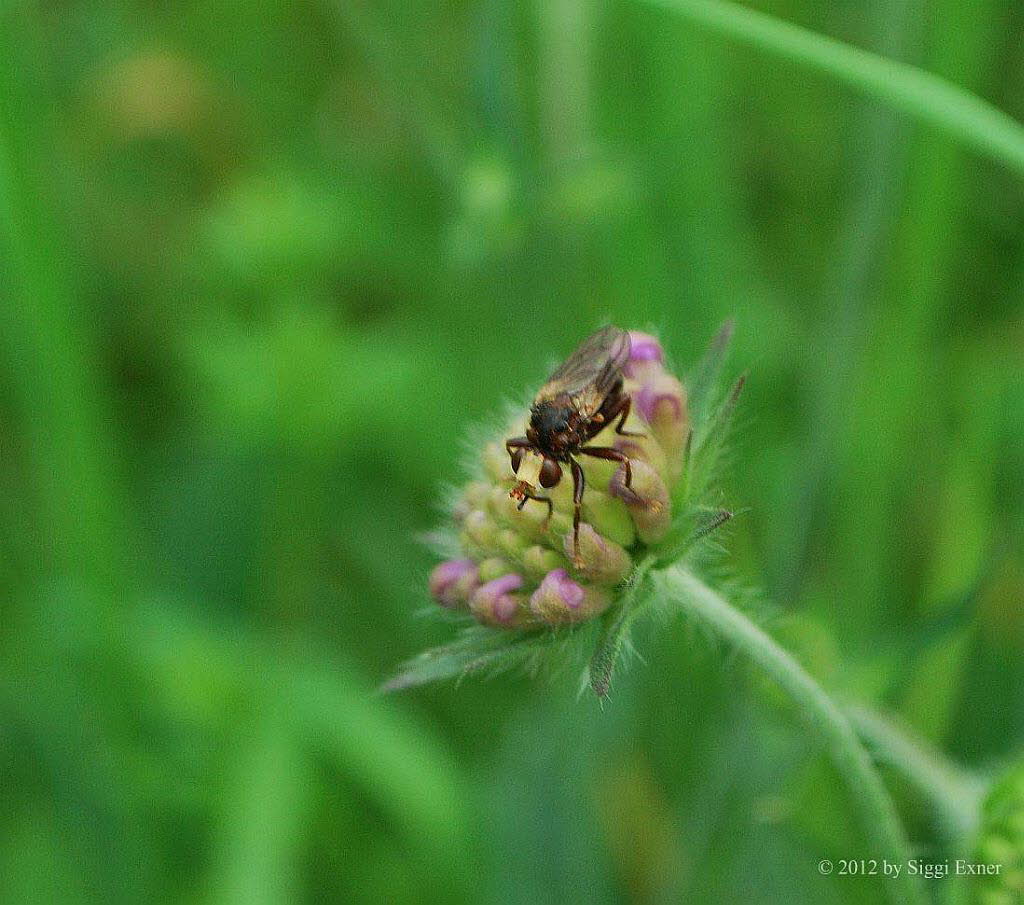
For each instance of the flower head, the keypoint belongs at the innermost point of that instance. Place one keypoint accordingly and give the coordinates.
(537, 548)
(550, 573)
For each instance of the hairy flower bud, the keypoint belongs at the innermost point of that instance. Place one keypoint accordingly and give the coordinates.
(604, 513)
(480, 530)
(493, 567)
(647, 500)
(576, 508)
(601, 561)
(662, 404)
(452, 582)
(560, 600)
(495, 461)
(538, 561)
(645, 356)
(494, 603)
(511, 543)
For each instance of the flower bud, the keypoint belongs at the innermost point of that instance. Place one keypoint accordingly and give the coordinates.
(494, 603)
(452, 582)
(480, 530)
(473, 496)
(600, 560)
(647, 499)
(496, 462)
(531, 521)
(493, 567)
(598, 472)
(560, 600)
(662, 403)
(511, 543)
(646, 357)
(525, 565)
(643, 449)
(608, 517)
(476, 493)
(538, 561)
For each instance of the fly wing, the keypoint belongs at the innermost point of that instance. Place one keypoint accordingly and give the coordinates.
(591, 371)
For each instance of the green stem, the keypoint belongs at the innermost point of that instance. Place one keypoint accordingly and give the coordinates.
(46, 338)
(875, 810)
(953, 796)
(928, 97)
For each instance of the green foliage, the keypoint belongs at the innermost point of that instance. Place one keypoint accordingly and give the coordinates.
(262, 267)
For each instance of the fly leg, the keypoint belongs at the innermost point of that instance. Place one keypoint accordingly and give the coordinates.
(524, 493)
(516, 443)
(613, 455)
(606, 452)
(578, 484)
(623, 410)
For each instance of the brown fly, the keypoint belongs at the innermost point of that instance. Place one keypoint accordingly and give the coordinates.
(580, 399)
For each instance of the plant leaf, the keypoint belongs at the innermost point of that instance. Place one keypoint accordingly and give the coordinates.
(704, 461)
(704, 378)
(476, 649)
(614, 626)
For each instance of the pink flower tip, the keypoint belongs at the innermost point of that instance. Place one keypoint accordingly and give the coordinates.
(453, 581)
(644, 350)
(653, 402)
(494, 599)
(557, 583)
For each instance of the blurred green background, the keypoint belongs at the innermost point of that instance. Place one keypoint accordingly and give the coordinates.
(264, 264)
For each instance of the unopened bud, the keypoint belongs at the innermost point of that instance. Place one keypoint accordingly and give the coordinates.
(644, 449)
(559, 600)
(525, 565)
(511, 543)
(495, 602)
(538, 561)
(493, 567)
(531, 521)
(662, 403)
(476, 493)
(647, 499)
(496, 462)
(646, 357)
(608, 517)
(481, 530)
(600, 560)
(452, 582)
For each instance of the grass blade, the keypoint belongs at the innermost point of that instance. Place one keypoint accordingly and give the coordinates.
(927, 97)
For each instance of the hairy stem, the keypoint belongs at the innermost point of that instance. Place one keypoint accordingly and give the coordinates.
(953, 796)
(867, 794)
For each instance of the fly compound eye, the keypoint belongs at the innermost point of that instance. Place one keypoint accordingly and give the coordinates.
(550, 473)
(516, 455)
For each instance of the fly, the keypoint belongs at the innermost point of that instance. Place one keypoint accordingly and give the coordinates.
(583, 396)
